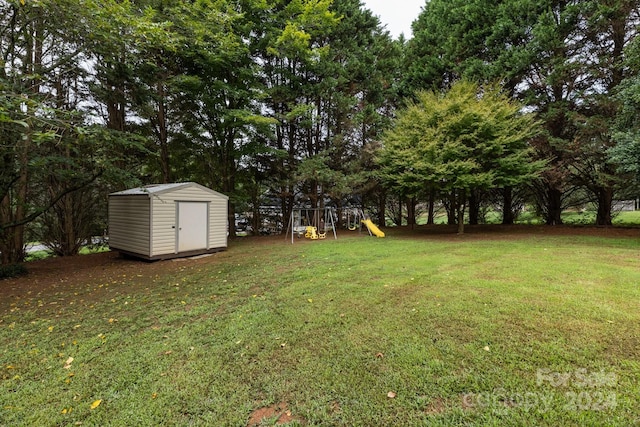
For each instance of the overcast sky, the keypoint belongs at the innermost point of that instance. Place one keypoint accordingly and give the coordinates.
(397, 15)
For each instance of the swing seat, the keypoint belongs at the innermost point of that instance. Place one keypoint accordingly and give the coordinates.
(311, 233)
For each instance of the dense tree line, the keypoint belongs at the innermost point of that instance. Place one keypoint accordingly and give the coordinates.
(284, 102)
(255, 99)
(567, 61)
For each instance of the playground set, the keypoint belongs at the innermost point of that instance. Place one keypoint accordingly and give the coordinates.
(315, 223)
(355, 218)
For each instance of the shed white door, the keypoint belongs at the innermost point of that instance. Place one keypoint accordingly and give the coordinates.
(192, 226)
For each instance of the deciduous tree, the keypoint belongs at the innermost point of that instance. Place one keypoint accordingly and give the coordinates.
(468, 138)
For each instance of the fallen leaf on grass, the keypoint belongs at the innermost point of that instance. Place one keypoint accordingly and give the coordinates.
(486, 348)
(379, 355)
(95, 404)
(67, 364)
(391, 395)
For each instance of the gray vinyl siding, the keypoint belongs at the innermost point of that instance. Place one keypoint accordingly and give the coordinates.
(129, 221)
(218, 223)
(165, 221)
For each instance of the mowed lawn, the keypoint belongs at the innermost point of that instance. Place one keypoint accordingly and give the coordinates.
(470, 330)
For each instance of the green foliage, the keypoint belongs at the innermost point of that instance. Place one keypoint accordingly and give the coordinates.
(12, 270)
(468, 138)
(37, 256)
(232, 94)
(284, 102)
(52, 146)
(626, 153)
(564, 60)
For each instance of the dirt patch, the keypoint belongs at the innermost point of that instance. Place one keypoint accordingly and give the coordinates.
(436, 407)
(87, 275)
(468, 402)
(279, 413)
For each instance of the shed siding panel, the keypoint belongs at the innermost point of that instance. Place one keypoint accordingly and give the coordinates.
(129, 224)
(164, 214)
(218, 224)
(194, 194)
(164, 222)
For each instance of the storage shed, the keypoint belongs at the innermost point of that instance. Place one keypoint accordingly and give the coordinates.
(168, 221)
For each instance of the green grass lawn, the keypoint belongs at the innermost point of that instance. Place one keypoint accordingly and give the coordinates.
(533, 330)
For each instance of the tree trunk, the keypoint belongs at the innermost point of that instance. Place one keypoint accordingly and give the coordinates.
(163, 137)
(382, 208)
(256, 219)
(313, 194)
(68, 246)
(398, 219)
(554, 207)
(432, 203)
(451, 209)
(605, 201)
(507, 206)
(227, 175)
(286, 205)
(411, 212)
(474, 208)
(11, 253)
(461, 208)
(21, 201)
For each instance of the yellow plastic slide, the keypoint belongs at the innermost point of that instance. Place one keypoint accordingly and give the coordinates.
(373, 228)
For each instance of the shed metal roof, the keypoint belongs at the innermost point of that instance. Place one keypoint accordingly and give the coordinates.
(155, 189)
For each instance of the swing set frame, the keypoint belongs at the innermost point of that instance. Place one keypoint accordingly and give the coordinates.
(354, 217)
(358, 218)
(311, 222)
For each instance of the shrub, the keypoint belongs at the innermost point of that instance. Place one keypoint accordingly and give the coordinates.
(12, 270)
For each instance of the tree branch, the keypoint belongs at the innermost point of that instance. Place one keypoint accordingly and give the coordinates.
(33, 216)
